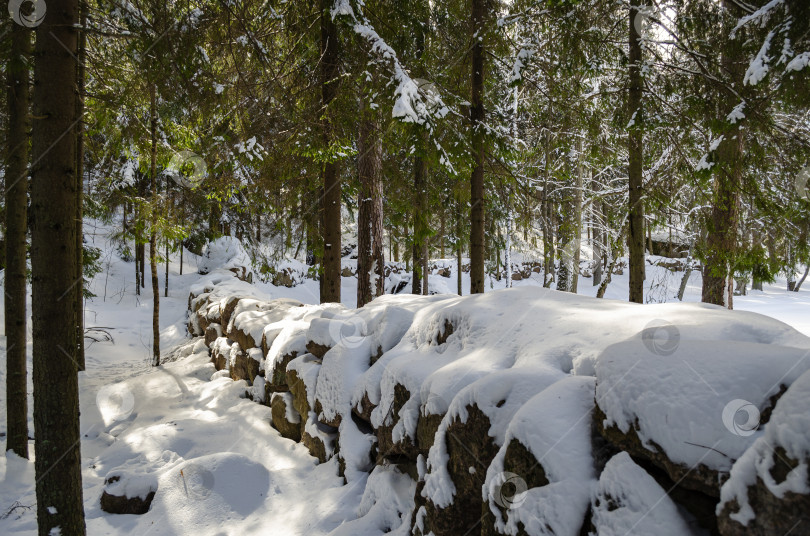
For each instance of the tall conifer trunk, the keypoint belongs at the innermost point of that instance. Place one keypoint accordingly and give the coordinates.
(370, 258)
(330, 57)
(635, 140)
(477, 245)
(16, 192)
(153, 228)
(721, 241)
(53, 260)
(80, 184)
(419, 223)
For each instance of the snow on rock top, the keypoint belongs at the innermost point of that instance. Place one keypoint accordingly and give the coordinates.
(125, 484)
(224, 253)
(456, 341)
(555, 427)
(786, 440)
(385, 507)
(291, 334)
(629, 501)
(252, 316)
(388, 331)
(499, 396)
(701, 402)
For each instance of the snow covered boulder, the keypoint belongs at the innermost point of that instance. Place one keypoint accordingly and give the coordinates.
(245, 365)
(127, 493)
(629, 501)
(697, 407)
(768, 491)
(356, 449)
(228, 305)
(302, 375)
(277, 379)
(466, 440)
(225, 354)
(221, 352)
(212, 332)
(320, 439)
(285, 418)
(342, 368)
(468, 448)
(389, 445)
(286, 339)
(225, 253)
(385, 507)
(540, 481)
(203, 315)
(250, 318)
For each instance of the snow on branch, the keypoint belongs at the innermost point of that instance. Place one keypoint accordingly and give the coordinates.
(411, 104)
(758, 68)
(760, 16)
(780, 24)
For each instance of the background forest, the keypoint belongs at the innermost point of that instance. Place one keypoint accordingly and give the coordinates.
(453, 128)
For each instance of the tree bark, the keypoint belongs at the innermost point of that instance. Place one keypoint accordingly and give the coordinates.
(330, 57)
(686, 273)
(53, 259)
(419, 224)
(16, 192)
(598, 239)
(725, 213)
(166, 282)
(507, 258)
(169, 210)
(798, 286)
(370, 257)
(153, 230)
(82, 54)
(477, 245)
(577, 245)
(459, 244)
(635, 140)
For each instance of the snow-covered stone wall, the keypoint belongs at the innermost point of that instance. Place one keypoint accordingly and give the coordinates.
(529, 411)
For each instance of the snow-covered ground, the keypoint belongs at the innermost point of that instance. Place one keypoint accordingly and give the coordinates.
(219, 465)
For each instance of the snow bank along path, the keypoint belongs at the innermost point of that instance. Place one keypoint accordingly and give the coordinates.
(527, 411)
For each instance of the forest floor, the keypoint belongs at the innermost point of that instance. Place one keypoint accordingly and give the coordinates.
(179, 419)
